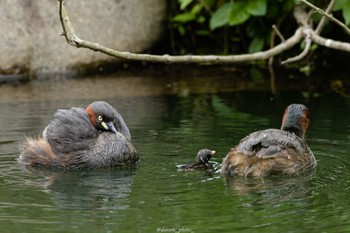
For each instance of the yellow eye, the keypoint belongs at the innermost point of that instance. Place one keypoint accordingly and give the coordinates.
(100, 118)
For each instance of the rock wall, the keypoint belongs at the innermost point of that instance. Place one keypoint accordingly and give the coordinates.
(30, 41)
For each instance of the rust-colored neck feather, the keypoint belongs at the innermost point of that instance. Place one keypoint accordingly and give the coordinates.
(91, 114)
(296, 119)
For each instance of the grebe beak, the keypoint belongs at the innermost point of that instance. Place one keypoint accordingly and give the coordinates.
(109, 127)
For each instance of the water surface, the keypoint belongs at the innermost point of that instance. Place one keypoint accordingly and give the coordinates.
(170, 119)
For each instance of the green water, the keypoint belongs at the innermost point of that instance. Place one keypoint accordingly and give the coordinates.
(169, 123)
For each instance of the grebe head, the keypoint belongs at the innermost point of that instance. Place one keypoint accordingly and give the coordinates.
(296, 119)
(204, 155)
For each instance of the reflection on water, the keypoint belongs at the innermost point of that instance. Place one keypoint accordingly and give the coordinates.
(101, 190)
(272, 189)
(170, 121)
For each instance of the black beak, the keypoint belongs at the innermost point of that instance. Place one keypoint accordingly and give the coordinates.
(111, 127)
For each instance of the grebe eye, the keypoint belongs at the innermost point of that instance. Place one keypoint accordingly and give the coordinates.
(100, 118)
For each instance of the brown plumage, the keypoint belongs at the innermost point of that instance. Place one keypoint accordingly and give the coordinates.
(82, 138)
(273, 151)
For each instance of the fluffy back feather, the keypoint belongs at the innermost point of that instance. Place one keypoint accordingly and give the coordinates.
(70, 131)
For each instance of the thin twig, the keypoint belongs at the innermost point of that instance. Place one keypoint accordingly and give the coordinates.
(329, 16)
(68, 30)
(324, 18)
(302, 18)
(279, 34)
(308, 42)
(323, 21)
(270, 63)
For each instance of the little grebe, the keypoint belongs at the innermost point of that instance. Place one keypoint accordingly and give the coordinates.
(273, 151)
(82, 138)
(202, 161)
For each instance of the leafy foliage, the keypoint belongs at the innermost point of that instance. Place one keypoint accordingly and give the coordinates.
(237, 13)
(225, 24)
(235, 26)
(344, 6)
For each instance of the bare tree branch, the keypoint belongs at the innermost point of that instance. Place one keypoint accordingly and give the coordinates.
(279, 34)
(329, 43)
(306, 50)
(327, 15)
(75, 41)
(304, 31)
(324, 18)
(303, 18)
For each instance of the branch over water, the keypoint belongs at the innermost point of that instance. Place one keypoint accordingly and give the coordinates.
(304, 31)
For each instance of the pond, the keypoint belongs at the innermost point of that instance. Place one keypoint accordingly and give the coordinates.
(170, 118)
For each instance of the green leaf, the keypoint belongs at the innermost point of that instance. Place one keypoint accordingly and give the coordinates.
(181, 30)
(238, 14)
(184, 3)
(256, 7)
(253, 29)
(203, 32)
(201, 19)
(209, 3)
(196, 9)
(221, 16)
(288, 5)
(183, 18)
(273, 12)
(256, 45)
(343, 5)
(340, 4)
(257, 76)
(346, 13)
(313, 47)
